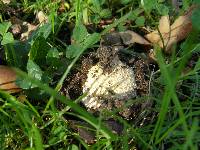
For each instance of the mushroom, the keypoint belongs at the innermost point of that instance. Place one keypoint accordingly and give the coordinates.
(7, 79)
(113, 82)
(118, 84)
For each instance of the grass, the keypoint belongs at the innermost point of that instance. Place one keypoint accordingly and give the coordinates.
(39, 117)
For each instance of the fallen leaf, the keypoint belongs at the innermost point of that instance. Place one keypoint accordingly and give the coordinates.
(41, 17)
(164, 24)
(30, 29)
(130, 37)
(151, 56)
(23, 28)
(6, 1)
(164, 28)
(7, 80)
(170, 35)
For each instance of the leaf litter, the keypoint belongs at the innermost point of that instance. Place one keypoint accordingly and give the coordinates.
(167, 35)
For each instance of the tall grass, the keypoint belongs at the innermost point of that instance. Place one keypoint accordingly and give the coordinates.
(45, 123)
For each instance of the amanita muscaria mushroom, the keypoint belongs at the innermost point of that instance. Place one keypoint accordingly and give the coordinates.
(7, 79)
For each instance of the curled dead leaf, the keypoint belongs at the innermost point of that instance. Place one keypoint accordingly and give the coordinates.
(170, 35)
(164, 24)
(41, 17)
(7, 80)
(151, 56)
(30, 28)
(23, 28)
(6, 1)
(130, 37)
(164, 28)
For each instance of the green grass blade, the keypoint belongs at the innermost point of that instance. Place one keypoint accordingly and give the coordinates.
(37, 138)
(134, 14)
(171, 92)
(191, 134)
(91, 120)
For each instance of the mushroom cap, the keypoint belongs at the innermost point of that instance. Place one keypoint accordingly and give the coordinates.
(7, 79)
(119, 84)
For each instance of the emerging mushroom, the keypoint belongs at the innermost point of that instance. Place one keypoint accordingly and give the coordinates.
(116, 84)
(111, 77)
(111, 83)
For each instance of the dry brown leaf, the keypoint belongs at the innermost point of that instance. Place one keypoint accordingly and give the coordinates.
(173, 34)
(151, 56)
(41, 17)
(164, 28)
(130, 37)
(6, 1)
(30, 29)
(7, 79)
(23, 28)
(164, 24)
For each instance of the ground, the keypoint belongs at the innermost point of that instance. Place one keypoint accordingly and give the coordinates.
(53, 47)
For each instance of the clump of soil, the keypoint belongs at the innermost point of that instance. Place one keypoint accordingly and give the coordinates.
(107, 57)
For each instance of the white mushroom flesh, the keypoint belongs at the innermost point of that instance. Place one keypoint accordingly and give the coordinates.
(118, 84)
